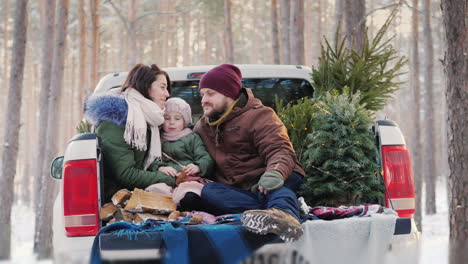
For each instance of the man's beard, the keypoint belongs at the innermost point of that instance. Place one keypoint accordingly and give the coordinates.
(216, 114)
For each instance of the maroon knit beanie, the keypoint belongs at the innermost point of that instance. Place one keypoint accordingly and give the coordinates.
(225, 79)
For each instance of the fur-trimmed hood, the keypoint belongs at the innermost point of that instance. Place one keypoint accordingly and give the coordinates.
(107, 107)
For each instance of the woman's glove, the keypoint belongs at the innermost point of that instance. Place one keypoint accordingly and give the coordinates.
(269, 181)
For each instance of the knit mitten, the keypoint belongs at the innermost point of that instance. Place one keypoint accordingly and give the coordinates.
(270, 181)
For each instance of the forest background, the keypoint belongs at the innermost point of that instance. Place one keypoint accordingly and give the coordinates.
(68, 45)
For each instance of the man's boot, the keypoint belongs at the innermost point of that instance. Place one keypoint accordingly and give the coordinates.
(272, 221)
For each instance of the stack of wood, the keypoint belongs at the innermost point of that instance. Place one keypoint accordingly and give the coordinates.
(137, 206)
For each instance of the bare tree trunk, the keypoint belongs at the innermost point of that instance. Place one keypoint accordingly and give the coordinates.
(416, 146)
(285, 31)
(95, 42)
(339, 13)
(84, 89)
(297, 33)
(455, 13)
(3, 96)
(187, 29)
(228, 45)
(254, 37)
(274, 32)
(46, 63)
(12, 127)
(208, 41)
(355, 19)
(43, 239)
(319, 31)
(430, 170)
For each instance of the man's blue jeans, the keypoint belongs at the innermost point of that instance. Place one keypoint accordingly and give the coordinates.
(218, 198)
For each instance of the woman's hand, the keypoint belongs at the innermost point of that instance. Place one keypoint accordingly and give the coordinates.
(191, 169)
(168, 171)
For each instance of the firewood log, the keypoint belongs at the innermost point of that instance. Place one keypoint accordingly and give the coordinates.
(107, 211)
(121, 197)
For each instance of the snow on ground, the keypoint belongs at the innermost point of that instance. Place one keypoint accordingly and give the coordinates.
(22, 236)
(435, 236)
(434, 240)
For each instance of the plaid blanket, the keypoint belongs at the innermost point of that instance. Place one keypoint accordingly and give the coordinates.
(226, 241)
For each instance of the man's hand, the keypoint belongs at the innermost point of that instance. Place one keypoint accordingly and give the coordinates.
(269, 181)
(191, 169)
(168, 171)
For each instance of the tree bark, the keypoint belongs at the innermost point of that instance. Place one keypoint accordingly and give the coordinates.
(43, 239)
(82, 53)
(3, 96)
(285, 31)
(46, 62)
(12, 127)
(455, 13)
(297, 37)
(274, 32)
(95, 42)
(430, 170)
(187, 29)
(254, 37)
(228, 42)
(339, 13)
(415, 85)
(355, 23)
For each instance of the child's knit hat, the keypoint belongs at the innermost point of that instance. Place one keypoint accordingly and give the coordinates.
(180, 106)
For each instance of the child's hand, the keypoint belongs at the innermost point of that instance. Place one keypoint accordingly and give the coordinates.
(191, 169)
(168, 171)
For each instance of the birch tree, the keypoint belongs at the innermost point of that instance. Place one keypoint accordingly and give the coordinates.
(455, 13)
(43, 239)
(12, 127)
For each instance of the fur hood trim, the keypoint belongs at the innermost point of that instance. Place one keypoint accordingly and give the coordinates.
(111, 108)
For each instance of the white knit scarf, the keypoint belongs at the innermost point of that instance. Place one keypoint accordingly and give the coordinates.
(143, 112)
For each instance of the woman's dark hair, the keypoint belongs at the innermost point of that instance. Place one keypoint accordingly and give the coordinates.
(142, 76)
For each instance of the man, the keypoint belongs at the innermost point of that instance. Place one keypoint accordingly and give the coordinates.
(256, 166)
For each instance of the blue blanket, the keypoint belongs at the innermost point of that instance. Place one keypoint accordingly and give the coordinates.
(227, 241)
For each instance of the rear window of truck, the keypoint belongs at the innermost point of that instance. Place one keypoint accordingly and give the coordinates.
(265, 89)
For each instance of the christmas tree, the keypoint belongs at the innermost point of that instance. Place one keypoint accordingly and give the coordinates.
(341, 154)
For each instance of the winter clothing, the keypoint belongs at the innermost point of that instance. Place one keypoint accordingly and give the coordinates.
(176, 136)
(225, 79)
(221, 199)
(270, 181)
(179, 106)
(189, 149)
(249, 141)
(142, 113)
(123, 163)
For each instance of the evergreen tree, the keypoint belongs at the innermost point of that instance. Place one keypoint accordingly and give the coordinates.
(367, 71)
(340, 159)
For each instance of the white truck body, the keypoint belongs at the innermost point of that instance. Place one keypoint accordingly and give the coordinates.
(77, 249)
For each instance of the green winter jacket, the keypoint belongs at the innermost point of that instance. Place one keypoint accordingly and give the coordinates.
(123, 164)
(189, 149)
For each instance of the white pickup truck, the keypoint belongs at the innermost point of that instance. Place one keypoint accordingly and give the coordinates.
(76, 209)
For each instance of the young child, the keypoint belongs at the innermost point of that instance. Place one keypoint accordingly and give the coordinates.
(183, 150)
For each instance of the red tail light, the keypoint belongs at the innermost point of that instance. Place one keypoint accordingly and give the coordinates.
(80, 198)
(398, 177)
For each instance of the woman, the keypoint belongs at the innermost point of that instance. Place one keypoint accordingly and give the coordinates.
(128, 126)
